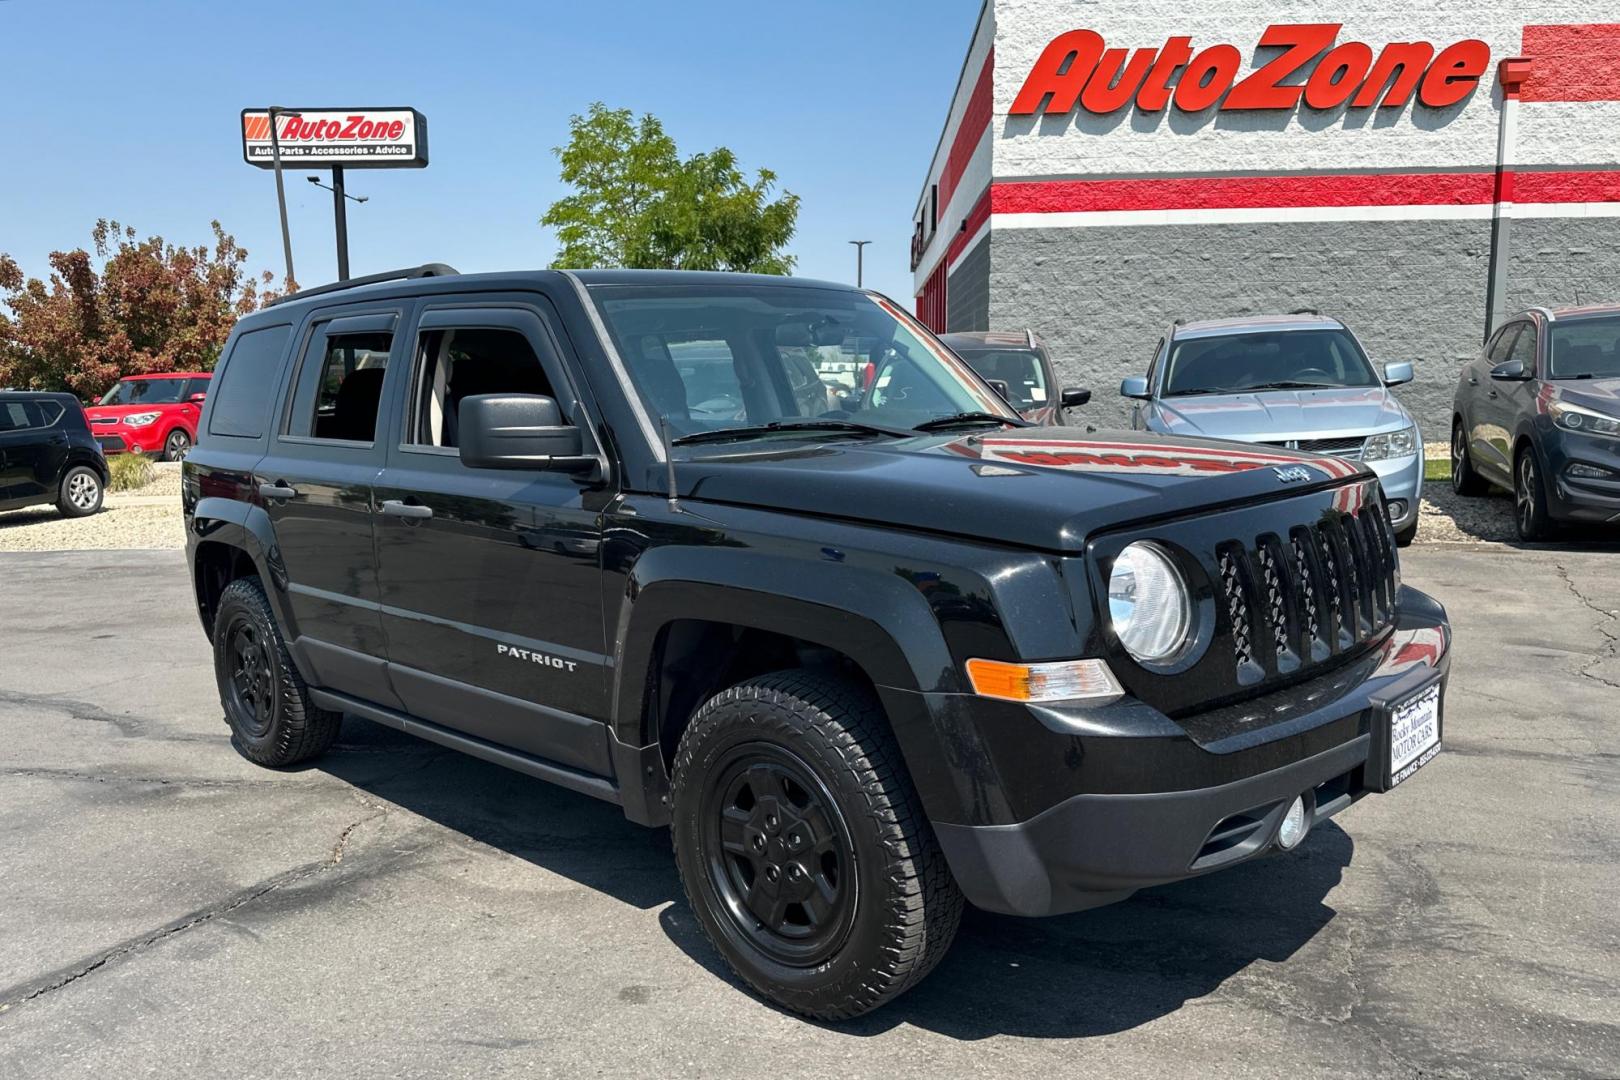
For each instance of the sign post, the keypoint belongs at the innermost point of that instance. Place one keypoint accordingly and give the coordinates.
(332, 139)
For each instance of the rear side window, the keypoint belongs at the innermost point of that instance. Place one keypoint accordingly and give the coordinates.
(245, 387)
(18, 415)
(342, 399)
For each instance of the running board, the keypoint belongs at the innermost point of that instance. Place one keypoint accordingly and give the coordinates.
(594, 786)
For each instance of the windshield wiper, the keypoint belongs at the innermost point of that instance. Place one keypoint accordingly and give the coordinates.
(1287, 386)
(939, 423)
(777, 427)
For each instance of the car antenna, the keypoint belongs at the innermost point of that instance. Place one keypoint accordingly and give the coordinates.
(669, 465)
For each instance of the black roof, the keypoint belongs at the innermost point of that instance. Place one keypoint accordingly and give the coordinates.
(437, 277)
(37, 395)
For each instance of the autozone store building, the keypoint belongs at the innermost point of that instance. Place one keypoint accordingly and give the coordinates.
(1108, 167)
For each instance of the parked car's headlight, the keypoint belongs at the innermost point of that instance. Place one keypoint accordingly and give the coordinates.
(1391, 444)
(140, 419)
(1148, 603)
(1576, 418)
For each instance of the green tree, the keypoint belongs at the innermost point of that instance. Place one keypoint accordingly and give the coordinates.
(637, 204)
(134, 306)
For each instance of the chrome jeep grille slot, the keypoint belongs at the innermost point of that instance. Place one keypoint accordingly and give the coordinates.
(1300, 600)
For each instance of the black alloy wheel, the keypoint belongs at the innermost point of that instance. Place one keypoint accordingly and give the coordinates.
(252, 679)
(1530, 498)
(779, 855)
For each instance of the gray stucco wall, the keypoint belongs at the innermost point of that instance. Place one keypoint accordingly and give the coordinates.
(967, 292)
(1560, 261)
(1101, 297)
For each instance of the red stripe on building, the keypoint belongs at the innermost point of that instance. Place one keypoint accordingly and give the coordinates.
(976, 217)
(975, 119)
(1284, 192)
(1228, 192)
(1578, 62)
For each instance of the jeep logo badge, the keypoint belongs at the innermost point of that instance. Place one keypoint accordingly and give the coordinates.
(1292, 474)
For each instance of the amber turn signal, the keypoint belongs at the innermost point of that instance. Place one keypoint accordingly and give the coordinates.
(1063, 680)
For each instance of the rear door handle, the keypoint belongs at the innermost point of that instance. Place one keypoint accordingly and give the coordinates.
(277, 490)
(410, 511)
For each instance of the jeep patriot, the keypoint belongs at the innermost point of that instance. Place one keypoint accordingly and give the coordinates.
(869, 653)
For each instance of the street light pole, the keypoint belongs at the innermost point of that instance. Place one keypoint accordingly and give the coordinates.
(860, 251)
(281, 191)
(340, 214)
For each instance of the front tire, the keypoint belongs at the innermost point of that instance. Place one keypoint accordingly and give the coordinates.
(1530, 498)
(177, 445)
(81, 492)
(1405, 537)
(273, 721)
(803, 848)
(1464, 480)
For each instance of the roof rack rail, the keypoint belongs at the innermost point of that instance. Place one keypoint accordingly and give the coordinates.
(1179, 320)
(425, 270)
(1305, 311)
(1029, 337)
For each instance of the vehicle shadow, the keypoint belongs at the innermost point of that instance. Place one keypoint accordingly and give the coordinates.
(1074, 976)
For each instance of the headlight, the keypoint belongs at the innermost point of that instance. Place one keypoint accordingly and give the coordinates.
(1148, 603)
(1391, 444)
(1576, 418)
(140, 419)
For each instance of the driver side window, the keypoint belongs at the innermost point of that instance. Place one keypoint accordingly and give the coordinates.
(1524, 348)
(1499, 347)
(454, 364)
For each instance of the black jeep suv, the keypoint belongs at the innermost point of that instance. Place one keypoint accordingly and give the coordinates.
(867, 661)
(47, 454)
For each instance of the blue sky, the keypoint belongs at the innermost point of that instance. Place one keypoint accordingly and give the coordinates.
(130, 111)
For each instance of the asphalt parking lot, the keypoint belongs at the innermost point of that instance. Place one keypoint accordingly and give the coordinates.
(398, 910)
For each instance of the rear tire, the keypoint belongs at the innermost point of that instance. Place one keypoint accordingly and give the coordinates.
(1464, 480)
(273, 721)
(81, 492)
(1530, 513)
(803, 848)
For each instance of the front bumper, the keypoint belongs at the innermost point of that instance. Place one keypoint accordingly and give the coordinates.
(1581, 498)
(1402, 481)
(1212, 798)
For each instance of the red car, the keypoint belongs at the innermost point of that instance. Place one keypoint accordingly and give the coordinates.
(150, 414)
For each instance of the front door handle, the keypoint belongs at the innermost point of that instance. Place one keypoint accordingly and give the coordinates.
(410, 511)
(277, 490)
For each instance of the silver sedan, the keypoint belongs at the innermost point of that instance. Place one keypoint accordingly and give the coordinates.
(1301, 381)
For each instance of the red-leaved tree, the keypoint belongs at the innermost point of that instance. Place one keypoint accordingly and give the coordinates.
(132, 307)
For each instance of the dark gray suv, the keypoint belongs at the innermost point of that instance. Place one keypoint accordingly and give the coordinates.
(1538, 413)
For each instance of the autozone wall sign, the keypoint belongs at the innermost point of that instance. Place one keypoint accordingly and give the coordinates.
(354, 138)
(1078, 68)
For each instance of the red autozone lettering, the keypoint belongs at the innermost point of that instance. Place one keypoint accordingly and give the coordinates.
(1077, 67)
(356, 128)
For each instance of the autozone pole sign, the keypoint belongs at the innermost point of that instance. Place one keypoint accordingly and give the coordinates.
(391, 138)
(1077, 67)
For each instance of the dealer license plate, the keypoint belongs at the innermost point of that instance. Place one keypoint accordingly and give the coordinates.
(1414, 733)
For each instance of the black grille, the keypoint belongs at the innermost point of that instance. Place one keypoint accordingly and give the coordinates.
(1301, 598)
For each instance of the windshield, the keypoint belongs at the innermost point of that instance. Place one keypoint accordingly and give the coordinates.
(711, 357)
(1589, 349)
(1275, 359)
(1020, 369)
(144, 392)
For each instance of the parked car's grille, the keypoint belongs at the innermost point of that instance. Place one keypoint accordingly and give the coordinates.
(105, 420)
(1345, 447)
(1291, 585)
(1324, 589)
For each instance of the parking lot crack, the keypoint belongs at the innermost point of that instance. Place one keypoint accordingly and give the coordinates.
(35, 989)
(1606, 625)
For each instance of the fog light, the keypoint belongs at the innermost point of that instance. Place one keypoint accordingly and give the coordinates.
(1294, 826)
(1588, 472)
(1397, 509)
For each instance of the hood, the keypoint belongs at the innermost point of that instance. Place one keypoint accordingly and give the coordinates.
(120, 411)
(1600, 394)
(1279, 415)
(1046, 488)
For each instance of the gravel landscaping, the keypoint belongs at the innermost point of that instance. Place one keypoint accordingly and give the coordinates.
(1448, 518)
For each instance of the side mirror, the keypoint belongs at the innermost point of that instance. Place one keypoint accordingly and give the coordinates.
(518, 431)
(1134, 387)
(1509, 371)
(1073, 397)
(197, 399)
(1000, 386)
(1396, 374)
